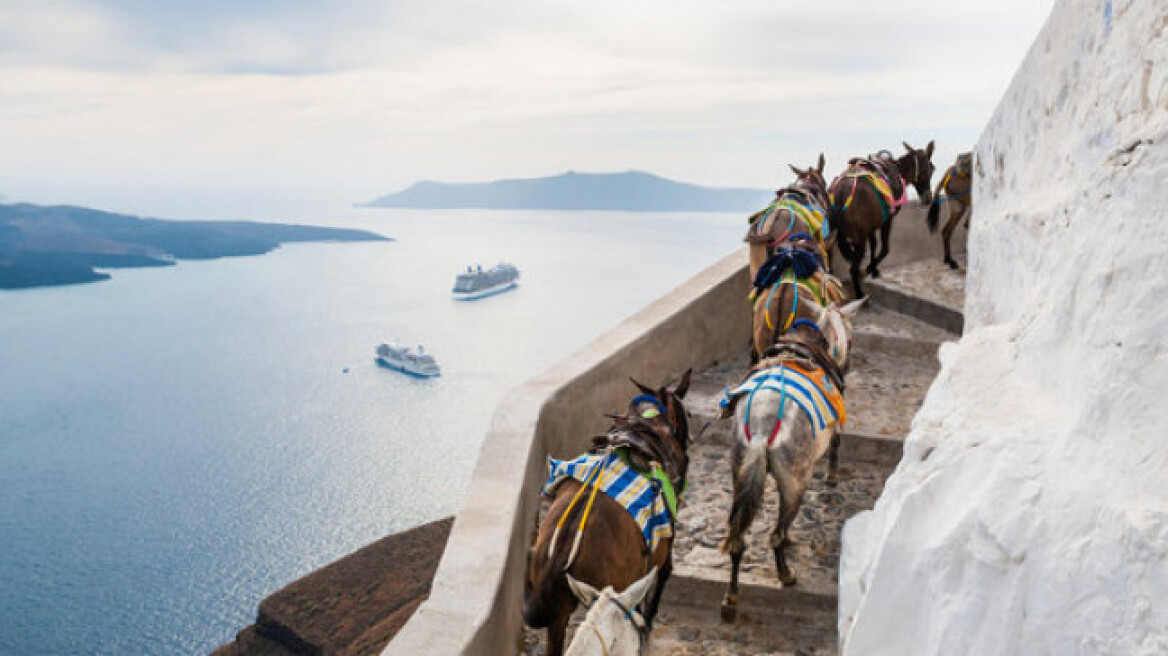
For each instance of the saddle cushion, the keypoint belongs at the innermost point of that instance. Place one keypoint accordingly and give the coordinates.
(638, 494)
(809, 387)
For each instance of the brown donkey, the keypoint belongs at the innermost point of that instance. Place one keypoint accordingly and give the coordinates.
(867, 196)
(797, 209)
(956, 184)
(641, 460)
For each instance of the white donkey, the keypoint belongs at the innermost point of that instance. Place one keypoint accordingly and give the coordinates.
(786, 414)
(613, 625)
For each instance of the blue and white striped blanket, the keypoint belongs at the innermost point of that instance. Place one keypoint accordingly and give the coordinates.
(640, 495)
(811, 390)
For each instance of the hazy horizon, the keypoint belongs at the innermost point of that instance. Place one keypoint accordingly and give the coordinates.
(160, 108)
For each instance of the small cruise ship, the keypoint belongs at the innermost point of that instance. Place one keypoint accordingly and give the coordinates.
(476, 282)
(413, 361)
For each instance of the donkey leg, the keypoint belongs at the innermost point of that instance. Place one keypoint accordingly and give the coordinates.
(662, 576)
(885, 237)
(791, 498)
(855, 271)
(729, 609)
(557, 631)
(741, 516)
(947, 233)
(832, 479)
(872, 255)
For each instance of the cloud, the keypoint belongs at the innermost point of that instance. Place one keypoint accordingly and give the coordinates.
(378, 94)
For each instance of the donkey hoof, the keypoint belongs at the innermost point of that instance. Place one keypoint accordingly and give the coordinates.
(729, 611)
(952, 265)
(874, 273)
(831, 480)
(787, 579)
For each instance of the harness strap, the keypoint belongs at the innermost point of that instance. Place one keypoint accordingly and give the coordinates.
(794, 309)
(584, 520)
(591, 479)
(782, 403)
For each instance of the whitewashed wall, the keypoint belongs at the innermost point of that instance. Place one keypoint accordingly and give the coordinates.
(1030, 512)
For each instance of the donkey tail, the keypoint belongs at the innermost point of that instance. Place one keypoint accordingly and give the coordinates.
(748, 488)
(935, 206)
(934, 214)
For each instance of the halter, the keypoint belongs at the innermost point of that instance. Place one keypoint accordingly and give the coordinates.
(632, 615)
(651, 400)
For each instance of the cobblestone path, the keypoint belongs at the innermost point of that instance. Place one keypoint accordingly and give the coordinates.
(894, 364)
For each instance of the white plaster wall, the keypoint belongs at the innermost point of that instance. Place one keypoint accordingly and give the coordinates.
(1030, 512)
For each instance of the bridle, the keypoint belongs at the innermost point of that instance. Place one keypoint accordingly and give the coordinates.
(632, 615)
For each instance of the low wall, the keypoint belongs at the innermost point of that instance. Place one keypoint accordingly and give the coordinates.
(476, 597)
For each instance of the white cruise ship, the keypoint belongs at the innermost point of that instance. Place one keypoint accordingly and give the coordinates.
(476, 282)
(413, 361)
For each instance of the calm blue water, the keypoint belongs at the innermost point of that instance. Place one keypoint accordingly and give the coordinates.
(176, 444)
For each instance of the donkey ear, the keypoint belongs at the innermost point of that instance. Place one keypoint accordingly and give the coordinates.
(683, 384)
(929, 150)
(821, 163)
(644, 388)
(797, 171)
(852, 309)
(907, 147)
(637, 591)
(584, 592)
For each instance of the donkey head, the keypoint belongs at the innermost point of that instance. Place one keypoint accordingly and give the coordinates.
(835, 323)
(916, 167)
(811, 177)
(663, 408)
(613, 625)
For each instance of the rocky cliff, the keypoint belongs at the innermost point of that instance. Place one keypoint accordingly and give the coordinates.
(351, 607)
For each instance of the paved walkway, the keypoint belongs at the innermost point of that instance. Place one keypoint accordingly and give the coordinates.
(894, 362)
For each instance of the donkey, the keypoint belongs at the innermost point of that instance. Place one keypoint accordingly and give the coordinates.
(797, 209)
(867, 196)
(613, 625)
(594, 537)
(794, 396)
(784, 284)
(956, 185)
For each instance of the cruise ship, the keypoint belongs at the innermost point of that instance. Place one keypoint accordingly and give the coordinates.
(413, 361)
(476, 282)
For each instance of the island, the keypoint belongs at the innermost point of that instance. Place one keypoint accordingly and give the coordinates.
(61, 245)
(634, 191)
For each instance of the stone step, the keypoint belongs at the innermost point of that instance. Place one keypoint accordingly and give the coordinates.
(858, 448)
(770, 620)
(903, 300)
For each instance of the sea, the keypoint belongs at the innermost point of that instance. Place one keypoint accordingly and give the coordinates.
(178, 443)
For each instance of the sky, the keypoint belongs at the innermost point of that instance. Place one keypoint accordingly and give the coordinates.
(148, 104)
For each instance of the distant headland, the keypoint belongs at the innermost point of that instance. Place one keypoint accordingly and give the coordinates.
(60, 245)
(633, 191)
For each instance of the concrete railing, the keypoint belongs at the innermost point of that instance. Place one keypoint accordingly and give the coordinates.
(474, 606)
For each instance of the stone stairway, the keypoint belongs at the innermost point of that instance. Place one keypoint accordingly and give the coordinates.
(914, 309)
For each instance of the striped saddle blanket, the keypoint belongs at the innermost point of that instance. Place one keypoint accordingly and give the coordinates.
(808, 387)
(764, 227)
(869, 173)
(638, 494)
